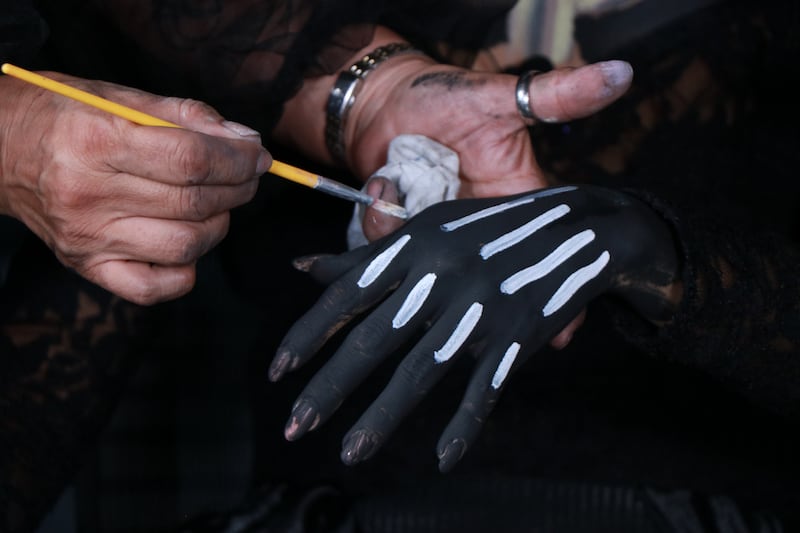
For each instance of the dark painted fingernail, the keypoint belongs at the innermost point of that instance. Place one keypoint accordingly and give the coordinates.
(304, 264)
(279, 365)
(358, 447)
(304, 417)
(451, 454)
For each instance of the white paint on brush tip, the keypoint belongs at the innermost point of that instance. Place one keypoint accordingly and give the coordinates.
(414, 301)
(460, 333)
(390, 209)
(573, 283)
(382, 261)
(534, 272)
(505, 365)
(523, 232)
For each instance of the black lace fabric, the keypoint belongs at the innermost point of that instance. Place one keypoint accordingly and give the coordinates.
(707, 135)
(67, 351)
(247, 57)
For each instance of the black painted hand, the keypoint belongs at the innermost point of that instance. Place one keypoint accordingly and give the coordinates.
(495, 277)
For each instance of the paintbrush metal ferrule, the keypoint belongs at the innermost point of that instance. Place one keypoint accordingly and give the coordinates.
(346, 192)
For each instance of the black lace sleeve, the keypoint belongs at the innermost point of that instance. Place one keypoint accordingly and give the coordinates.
(249, 56)
(740, 317)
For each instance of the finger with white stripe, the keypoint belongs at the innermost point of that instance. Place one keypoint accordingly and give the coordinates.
(420, 370)
(512, 238)
(552, 261)
(483, 391)
(390, 325)
(499, 209)
(327, 268)
(343, 300)
(575, 282)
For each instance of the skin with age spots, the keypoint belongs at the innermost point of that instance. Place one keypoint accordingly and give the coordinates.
(502, 274)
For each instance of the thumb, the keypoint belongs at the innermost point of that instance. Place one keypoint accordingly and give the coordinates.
(188, 113)
(568, 93)
(199, 116)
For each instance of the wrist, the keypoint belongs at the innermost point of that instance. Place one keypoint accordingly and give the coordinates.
(657, 291)
(354, 91)
(303, 121)
(381, 91)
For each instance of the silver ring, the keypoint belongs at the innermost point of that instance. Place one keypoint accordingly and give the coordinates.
(523, 96)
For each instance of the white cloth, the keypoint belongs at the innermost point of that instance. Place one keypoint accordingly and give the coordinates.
(424, 171)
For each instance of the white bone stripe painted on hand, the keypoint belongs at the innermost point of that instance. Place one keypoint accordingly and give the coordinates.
(505, 365)
(414, 300)
(523, 232)
(530, 274)
(500, 208)
(577, 280)
(382, 261)
(460, 334)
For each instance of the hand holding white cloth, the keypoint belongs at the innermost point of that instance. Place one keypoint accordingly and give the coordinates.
(424, 172)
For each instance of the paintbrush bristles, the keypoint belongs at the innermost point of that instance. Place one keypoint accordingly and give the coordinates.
(390, 209)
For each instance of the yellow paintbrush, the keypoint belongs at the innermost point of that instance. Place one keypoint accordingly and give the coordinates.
(289, 172)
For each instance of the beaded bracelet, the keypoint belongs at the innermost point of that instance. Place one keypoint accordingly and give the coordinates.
(344, 92)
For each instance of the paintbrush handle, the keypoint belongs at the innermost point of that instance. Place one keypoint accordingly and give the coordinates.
(297, 175)
(114, 108)
(289, 172)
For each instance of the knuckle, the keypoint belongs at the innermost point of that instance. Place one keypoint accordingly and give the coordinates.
(186, 245)
(413, 371)
(190, 109)
(192, 162)
(369, 336)
(71, 193)
(97, 138)
(193, 202)
(70, 238)
(64, 189)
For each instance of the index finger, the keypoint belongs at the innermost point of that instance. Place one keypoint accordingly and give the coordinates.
(343, 300)
(179, 156)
